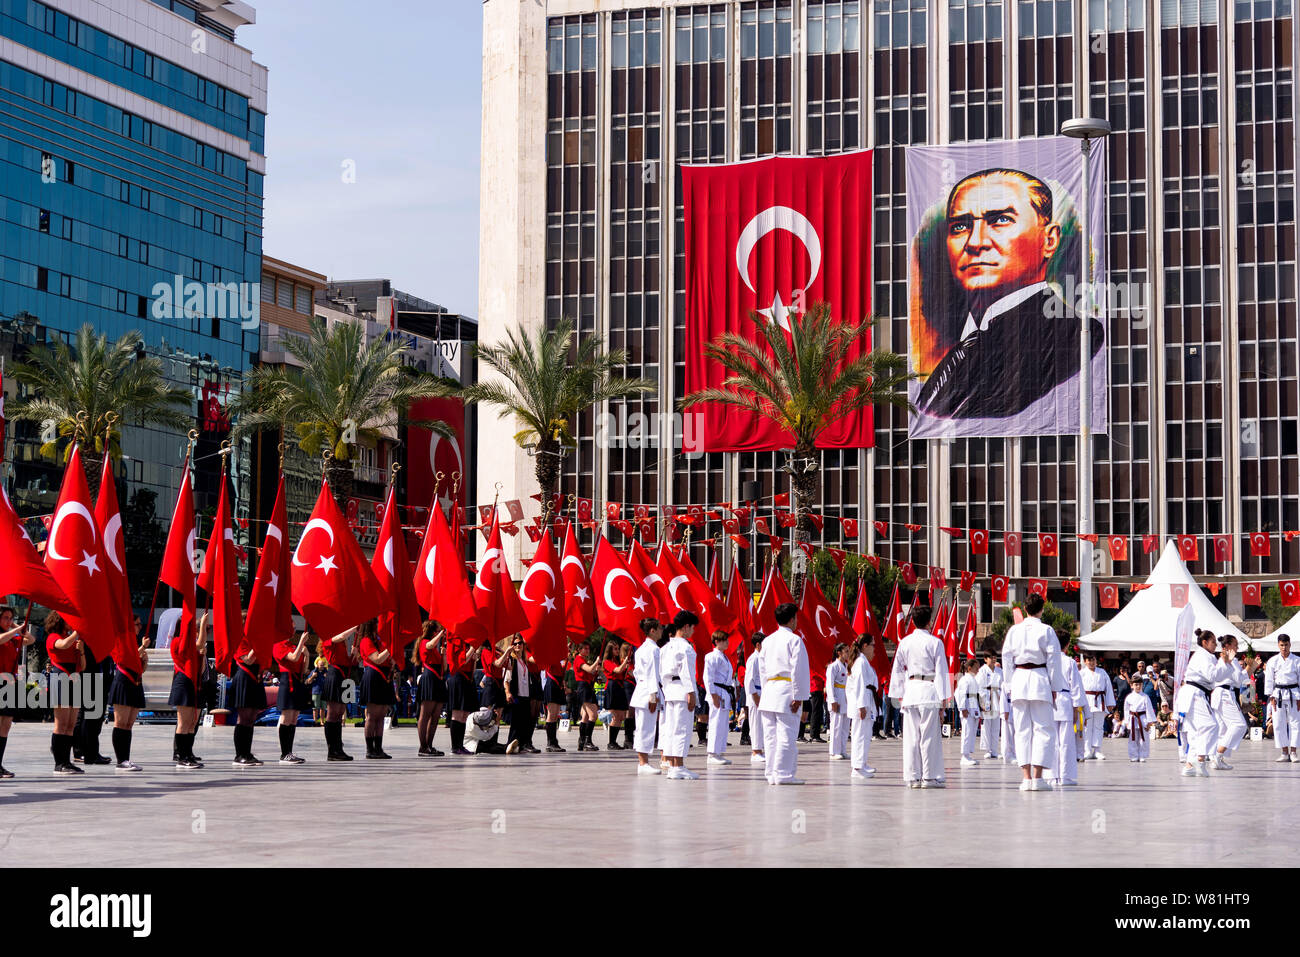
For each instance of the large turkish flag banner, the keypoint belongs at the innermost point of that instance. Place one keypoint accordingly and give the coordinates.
(429, 454)
(773, 236)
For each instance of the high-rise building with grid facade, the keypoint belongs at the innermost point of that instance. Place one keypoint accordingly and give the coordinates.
(590, 107)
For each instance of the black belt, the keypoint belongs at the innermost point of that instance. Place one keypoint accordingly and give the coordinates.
(1039, 665)
(674, 678)
(1201, 687)
(1285, 687)
(731, 691)
(920, 677)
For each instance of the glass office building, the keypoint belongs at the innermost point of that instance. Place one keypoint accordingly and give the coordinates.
(133, 157)
(1200, 212)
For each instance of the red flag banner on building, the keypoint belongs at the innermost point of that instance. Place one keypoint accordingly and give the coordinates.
(1108, 596)
(882, 529)
(908, 572)
(1250, 593)
(1038, 586)
(1290, 591)
(436, 463)
(1011, 542)
(1150, 543)
(850, 527)
(1189, 549)
(1048, 544)
(979, 541)
(333, 586)
(967, 581)
(998, 586)
(1260, 544)
(1118, 545)
(774, 237)
(1222, 547)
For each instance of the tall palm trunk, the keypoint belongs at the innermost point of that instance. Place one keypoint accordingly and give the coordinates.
(548, 469)
(339, 474)
(804, 486)
(93, 463)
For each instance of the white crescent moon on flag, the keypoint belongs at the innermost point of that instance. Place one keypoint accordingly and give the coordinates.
(489, 560)
(113, 530)
(388, 558)
(434, 439)
(778, 217)
(75, 508)
(675, 584)
(273, 531)
(575, 560)
(429, 563)
(314, 523)
(533, 569)
(196, 557)
(609, 581)
(817, 619)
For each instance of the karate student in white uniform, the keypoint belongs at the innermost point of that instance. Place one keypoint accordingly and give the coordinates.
(677, 674)
(719, 685)
(753, 690)
(1068, 711)
(1227, 705)
(1281, 687)
(784, 662)
(1138, 719)
(1101, 699)
(919, 684)
(837, 676)
(1197, 723)
(967, 697)
(1031, 660)
(990, 682)
(860, 692)
(648, 695)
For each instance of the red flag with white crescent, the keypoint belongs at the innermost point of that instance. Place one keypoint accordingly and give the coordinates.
(220, 579)
(499, 611)
(179, 571)
(688, 591)
(648, 574)
(21, 571)
(542, 597)
(126, 647)
(741, 604)
(579, 606)
(270, 608)
(399, 625)
(333, 585)
(822, 626)
(441, 585)
(621, 600)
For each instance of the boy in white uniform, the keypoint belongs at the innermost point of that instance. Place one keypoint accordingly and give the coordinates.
(990, 682)
(648, 695)
(784, 663)
(1227, 706)
(919, 684)
(677, 673)
(1031, 660)
(1068, 711)
(1101, 699)
(967, 697)
(863, 684)
(1138, 719)
(837, 675)
(1197, 724)
(719, 685)
(1282, 688)
(753, 690)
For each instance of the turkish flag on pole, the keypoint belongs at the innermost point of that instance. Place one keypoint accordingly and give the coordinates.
(968, 632)
(951, 634)
(619, 607)
(499, 610)
(441, 585)
(651, 576)
(775, 592)
(180, 566)
(220, 579)
(742, 606)
(1260, 545)
(773, 236)
(894, 618)
(699, 599)
(579, 608)
(544, 605)
(21, 571)
(864, 622)
(333, 586)
(399, 624)
(75, 558)
(126, 647)
(270, 609)
(825, 627)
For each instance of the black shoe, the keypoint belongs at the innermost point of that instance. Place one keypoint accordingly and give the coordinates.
(744, 742)
(5, 773)
(530, 749)
(436, 753)
(246, 761)
(424, 753)
(818, 740)
(802, 738)
(187, 764)
(589, 747)
(379, 754)
(67, 768)
(615, 747)
(339, 756)
(555, 749)
(98, 759)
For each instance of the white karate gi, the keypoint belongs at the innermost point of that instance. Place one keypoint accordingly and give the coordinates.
(860, 693)
(990, 682)
(967, 697)
(1281, 678)
(1227, 708)
(718, 680)
(645, 668)
(1033, 642)
(677, 674)
(1068, 697)
(919, 685)
(1101, 698)
(784, 663)
(1196, 719)
(836, 678)
(753, 689)
(1139, 720)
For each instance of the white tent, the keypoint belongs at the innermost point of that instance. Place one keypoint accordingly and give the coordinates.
(1149, 622)
(1291, 628)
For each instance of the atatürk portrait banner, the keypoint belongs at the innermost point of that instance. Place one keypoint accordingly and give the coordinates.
(995, 287)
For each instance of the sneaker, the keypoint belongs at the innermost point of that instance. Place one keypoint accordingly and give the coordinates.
(681, 774)
(529, 749)
(1068, 784)
(820, 740)
(989, 755)
(512, 747)
(1188, 771)
(913, 784)
(5, 773)
(424, 753)
(718, 762)
(1042, 784)
(969, 763)
(98, 759)
(1026, 785)
(859, 775)
(1142, 760)
(245, 762)
(1219, 764)
(933, 784)
(789, 781)
(1099, 756)
(757, 759)
(435, 753)
(292, 759)
(869, 770)
(615, 747)
(461, 751)
(1295, 758)
(128, 766)
(1284, 759)
(554, 749)
(341, 756)
(647, 769)
(1202, 769)
(67, 768)
(187, 764)
(589, 747)
(837, 757)
(1132, 760)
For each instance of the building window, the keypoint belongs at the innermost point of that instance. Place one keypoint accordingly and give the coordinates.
(284, 295)
(43, 221)
(302, 302)
(268, 288)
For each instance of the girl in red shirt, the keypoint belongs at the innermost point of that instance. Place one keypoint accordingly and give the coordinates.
(67, 658)
(127, 698)
(431, 692)
(615, 665)
(338, 653)
(586, 665)
(554, 697)
(189, 655)
(294, 696)
(13, 638)
(376, 688)
(247, 698)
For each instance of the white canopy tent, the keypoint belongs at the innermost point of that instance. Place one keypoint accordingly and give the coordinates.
(1290, 628)
(1149, 622)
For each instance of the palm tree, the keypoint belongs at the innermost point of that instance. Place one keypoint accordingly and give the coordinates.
(545, 389)
(346, 389)
(804, 382)
(86, 382)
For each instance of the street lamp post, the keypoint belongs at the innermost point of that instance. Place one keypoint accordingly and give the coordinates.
(1085, 130)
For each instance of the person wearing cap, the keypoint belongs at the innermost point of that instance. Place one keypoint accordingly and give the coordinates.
(837, 676)
(1139, 719)
(1068, 710)
(1197, 724)
(1101, 698)
(720, 688)
(647, 698)
(753, 690)
(677, 674)
(860, 693)
(1227, 704)
(784, 665)
(1031, 657)
(967, 696)
(920, 684)
(989, 678)
(1281, 687)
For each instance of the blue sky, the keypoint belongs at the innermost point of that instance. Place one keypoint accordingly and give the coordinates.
(393, 85)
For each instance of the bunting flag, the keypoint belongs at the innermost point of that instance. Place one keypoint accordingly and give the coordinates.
(1108, 596)
(219, 577)
(1178, 595)
(954, 532)
(882, 529)
(399, 624)
(1048, 544)
(270, 608)
(21, 571)
(1260, 545)
(1250, 593)
(1290, 592)
(499, 612)
(849, 526)
(874, 562)
(1188, 548)
(967, 581)
(908, 572)
(1222, 545)
(579, 608)
(998, 586)
(1011, 543)
(332, 585)
(441, 585)
(126, 646)
(1118, 545)
(816, 521)
(1038, 586)
(544, 605)
(1150, 544)
(938, 577)
(912, 528)
(979, 541)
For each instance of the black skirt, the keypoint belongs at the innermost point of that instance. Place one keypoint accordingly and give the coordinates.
(431, 687)
(246, 691)
(554, 693)
(331, 688)
(616, 696)
(125, 691)
(461, 693)
(183, 694)
(534, 686)
(376, 689)
(586, 693)
(10, 694)
(292, 697)
(494, 694)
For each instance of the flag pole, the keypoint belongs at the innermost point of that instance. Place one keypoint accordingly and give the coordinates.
(192, 436)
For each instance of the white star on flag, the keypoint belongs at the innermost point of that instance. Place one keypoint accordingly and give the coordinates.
(581, 594)
(639, 602)
(274, 584)
(326, 564)
(90, 563)
(549, 603)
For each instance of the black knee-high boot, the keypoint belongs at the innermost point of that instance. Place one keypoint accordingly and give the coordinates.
(122, 745)
(629, 726)
(286, 739)
(379, 747)
(457, 729)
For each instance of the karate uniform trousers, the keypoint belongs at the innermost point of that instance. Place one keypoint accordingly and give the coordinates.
(1066, 766)
(1232, 725)
(675, 735)
(718, 724)
(1139, 740)
(1093, 730)
(991, 732)
(757, 724)
(643, 736)
(922, 743)
(1035, 729)
(839, 731)
(1286, 719)
(1009, 737)
(860, 730)
(969, 723)
(780, 731)
(1200, 727)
